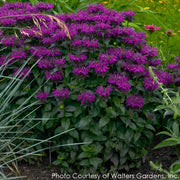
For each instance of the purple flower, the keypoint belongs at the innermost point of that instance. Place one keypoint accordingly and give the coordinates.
(25, 72)
(42, 96)
(103, 92)
(119, 81)
(40, 51)
(90, 43)
(139, 58)
(128, 15)
(164, 77)
(149, 51)
(177, 59)
(135, 101)
(81, 71)
(77, 59)
(45, 64)
(61, 94)
(108, 58)
(59, 62)
(56, 76)
(44, 6)
(100, 67)
(3, 61)
(76, 43)
(8, 41)
(155, 62)
(86, 97)
(136, 69)
(173, 66)
(150, 84)
(96, 8)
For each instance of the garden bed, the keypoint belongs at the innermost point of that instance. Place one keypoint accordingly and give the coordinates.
(44, 171)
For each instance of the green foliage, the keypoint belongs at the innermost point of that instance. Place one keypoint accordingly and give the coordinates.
(172, 108)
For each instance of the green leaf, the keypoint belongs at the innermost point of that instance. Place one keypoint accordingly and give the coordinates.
(58, 130)
(95, 162)
(160, 107)
(84, 162)
(68, 114)
(137, 136)
(175, 128)
(20, 101)
(175, 167)
(168, 142)
(74, 134)
(134, 25)
(129, 135)
(133, 126)
(77, 112)
(84, 155)
(103, 121)
(110, 112)
(97, 148)
(84, 123)
(47, 107)
(56, 162)
(65, 123)
(102, 104)
(49, 124)
(70, 108)
(115, 159)
(149, 126)
(46, 117)
(165, 133)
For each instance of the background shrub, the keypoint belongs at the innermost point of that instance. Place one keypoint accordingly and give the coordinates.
(97, 80)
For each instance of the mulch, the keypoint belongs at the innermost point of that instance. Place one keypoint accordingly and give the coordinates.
(166, 156)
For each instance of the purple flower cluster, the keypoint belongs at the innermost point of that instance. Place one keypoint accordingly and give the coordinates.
(77, 59)
(119, 81)
(25, 72)
(104, 92)
(100, 67)
(86, 97)
(128, 15)
(18, 54)
(135, 101)
(101, 50)
(56, 76)
(61, 94)
(42, 51)
(149, 84)
(42, 96)
(81, 71)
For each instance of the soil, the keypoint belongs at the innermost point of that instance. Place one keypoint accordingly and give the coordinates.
(166, 156)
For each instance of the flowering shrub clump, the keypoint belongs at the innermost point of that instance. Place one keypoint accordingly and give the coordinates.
(97, 81)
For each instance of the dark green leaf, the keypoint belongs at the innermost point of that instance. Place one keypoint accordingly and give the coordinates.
(102, 103)
(95, 162)
(115, 159)
(65, 123)
(149, 126)
(175, 128)
(103, 121)
(137, 136)
(110, 112)
(70, 108)
(74, 134)
(169, 142)
(84, 162)
(84, 155)
(84, 123)
(133, 126)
